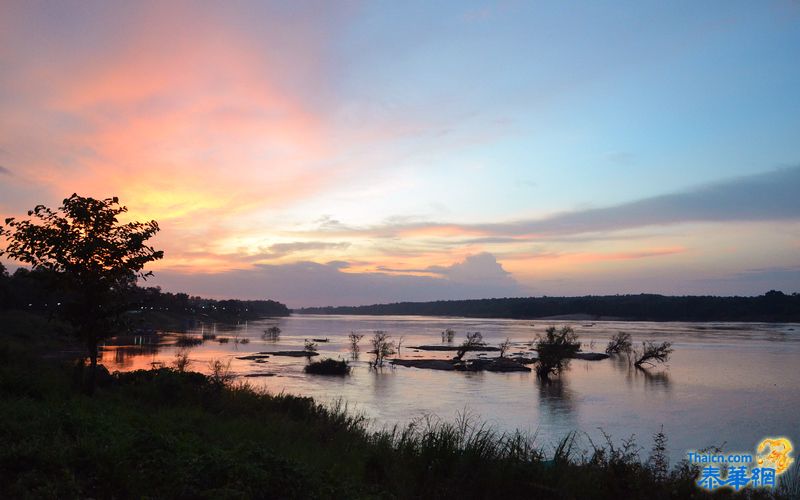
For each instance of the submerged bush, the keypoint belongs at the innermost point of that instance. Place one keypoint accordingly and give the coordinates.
(272, 333)
(555, 348)
(309, 346)
(653, 353)
(448, 335)
(354, 338)
(619, 343)
(504, 347)
(328, 367)
(188, 341)
(382, 347)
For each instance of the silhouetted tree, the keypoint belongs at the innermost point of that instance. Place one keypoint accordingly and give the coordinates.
(619, 343)
(94, 259)
(382, 347)
(474, 341)
(652, 353)
(504, 347)
(355, 338)
(555, 348)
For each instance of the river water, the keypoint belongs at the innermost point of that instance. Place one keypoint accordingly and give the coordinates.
(725, 383)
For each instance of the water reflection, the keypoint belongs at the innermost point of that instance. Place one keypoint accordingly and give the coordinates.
(657, 379)
(556, 402)
(653, 378)
(125, 350)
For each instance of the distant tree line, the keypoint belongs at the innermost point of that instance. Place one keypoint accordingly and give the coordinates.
(772, 306)
(37, 291)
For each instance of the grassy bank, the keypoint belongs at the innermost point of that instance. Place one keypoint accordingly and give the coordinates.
(168, 434)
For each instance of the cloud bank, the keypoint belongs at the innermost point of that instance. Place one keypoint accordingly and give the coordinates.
(312, 284)
(769, 196)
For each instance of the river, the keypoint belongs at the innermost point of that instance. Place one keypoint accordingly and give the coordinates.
(725, 383)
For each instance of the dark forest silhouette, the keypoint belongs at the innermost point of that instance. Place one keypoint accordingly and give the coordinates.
(772, 306)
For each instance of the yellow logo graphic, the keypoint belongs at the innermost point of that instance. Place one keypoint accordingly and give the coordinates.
(775, 452)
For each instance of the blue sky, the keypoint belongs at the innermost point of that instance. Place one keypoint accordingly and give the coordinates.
(382, 144)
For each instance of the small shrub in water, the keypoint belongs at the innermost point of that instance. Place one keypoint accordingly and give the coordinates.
(382, 347)
(272, 333)
(619, 343)
(310, 346)
(354, 338)
(188, 341)
(504, 346)
(448, 335)
(652, 353)
(328, 367)
(555, 348)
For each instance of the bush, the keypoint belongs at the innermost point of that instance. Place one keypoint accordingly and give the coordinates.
(220, 372)
(182, 361)
(355, 338)
(328, 367)
(555, 348)
(652, 353)
(504, 347)
(381, 347)
(188, 341)
(272, 333)
(309, 346)
(474, 340)
(448, 335)
(619, 343)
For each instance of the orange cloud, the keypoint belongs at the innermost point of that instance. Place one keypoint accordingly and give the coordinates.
(185, 116)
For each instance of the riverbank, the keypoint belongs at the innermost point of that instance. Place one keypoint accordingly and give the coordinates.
(169, 434)
(773, 306)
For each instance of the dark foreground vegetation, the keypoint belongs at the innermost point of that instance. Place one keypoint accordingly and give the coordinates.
(171, 434)
(772, 306)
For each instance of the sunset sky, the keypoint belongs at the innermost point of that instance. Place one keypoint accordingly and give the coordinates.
(347, 152)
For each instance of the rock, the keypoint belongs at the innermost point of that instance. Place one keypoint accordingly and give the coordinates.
(523, 360)
(320, 340)
(255, 357)
(506, 365)
(454, 348)
(252, 375)
(475, 365)
(429, 364)
(590, 356)
(295, 354)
